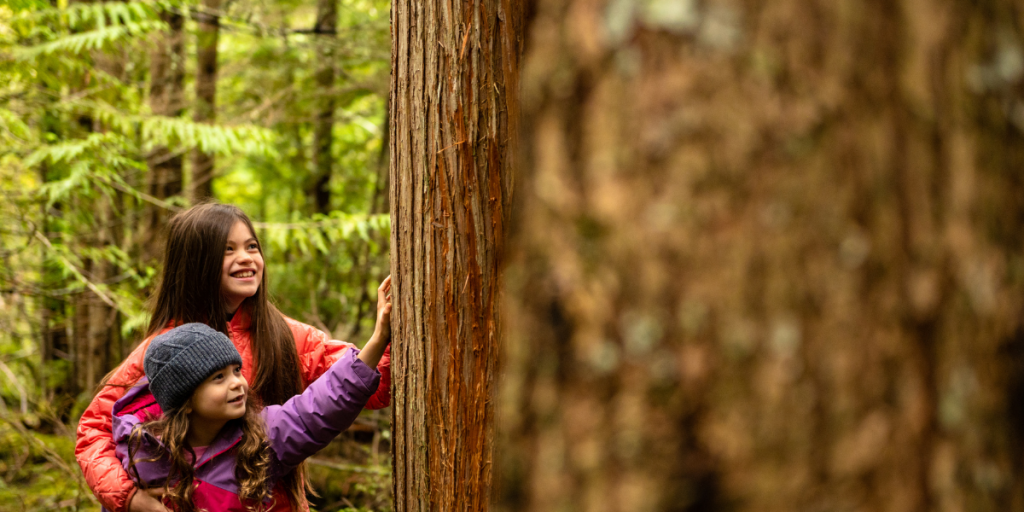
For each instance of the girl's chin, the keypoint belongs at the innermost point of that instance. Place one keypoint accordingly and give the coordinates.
(240, 294)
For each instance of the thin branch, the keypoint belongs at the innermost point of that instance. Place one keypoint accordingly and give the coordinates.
(142, 195)
(81, 277)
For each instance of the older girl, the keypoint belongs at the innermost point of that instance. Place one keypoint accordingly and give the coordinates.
(214, 274)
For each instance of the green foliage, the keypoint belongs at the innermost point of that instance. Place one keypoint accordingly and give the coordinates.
(99, 38)
(77, 139)
(39, 470)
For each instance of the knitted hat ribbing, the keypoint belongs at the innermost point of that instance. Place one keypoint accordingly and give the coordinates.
(179, 360)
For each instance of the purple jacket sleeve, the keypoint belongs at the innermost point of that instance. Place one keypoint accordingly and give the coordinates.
(306, 423)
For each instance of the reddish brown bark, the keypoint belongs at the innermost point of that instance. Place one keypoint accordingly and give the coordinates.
(767, 258)
(453, 109)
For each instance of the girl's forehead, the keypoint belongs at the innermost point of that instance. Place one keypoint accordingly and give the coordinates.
(240, 230)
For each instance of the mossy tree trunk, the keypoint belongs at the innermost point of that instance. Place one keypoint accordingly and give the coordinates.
(768, 257)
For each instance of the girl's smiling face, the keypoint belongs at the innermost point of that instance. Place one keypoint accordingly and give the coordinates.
(221, 397)
(242, 271)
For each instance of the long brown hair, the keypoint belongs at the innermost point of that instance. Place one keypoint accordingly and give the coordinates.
(190, 292)
(252, 458)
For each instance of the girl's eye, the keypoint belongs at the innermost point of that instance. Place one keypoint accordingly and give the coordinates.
(253, 246)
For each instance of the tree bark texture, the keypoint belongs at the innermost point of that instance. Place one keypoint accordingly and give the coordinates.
(96, 320)
(323, 125)
(205, 107)
(453, 117)
(166, 98)
(767, 257)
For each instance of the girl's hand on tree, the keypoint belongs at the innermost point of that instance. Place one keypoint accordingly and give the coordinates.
(374, 348)
(383, 327)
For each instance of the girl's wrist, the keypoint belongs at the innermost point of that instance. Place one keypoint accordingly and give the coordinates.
(381, 334)
(373, 350)
(374, 339)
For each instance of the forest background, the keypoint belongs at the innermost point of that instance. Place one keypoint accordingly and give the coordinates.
(115, 115)
(761, 255)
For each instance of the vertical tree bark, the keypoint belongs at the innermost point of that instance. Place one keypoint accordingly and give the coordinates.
(205, 108)
(94, 325)
(323, 125)
(52, 310)
(767, 258)
(453, 117)
(98, 333)
(166, 98)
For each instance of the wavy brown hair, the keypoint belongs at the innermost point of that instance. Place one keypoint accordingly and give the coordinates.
(190, 292)
(252, 456)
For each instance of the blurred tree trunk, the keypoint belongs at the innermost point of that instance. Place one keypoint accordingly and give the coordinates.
(205, 107)
(768, 257)
(166, 98)
(53, 322)
(94, 319)
(323, 125)
(99, 331)
(454, 112)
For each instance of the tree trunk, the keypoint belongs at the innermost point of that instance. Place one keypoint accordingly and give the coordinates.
(166, 98)
(94, 319)
(323, 125)
(454, 112)
(52, 321)
(205, 108)
(98, 332)
(767, 258)
(99, 337)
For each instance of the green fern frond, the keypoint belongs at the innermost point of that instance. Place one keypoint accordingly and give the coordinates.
(223, 140)
(323, 231)
(100, 38)
(88, 15)
(71, 150)
(12, 126)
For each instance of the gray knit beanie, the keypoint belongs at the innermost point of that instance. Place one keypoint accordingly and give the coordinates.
(179, 360)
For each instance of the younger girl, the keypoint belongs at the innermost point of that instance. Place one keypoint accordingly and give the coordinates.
(210, 449)
(214, 274)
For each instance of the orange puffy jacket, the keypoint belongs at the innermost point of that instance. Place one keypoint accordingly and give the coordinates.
(94, 447)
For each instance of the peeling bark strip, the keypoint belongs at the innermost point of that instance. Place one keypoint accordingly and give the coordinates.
(767, 257)
(454, 109)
